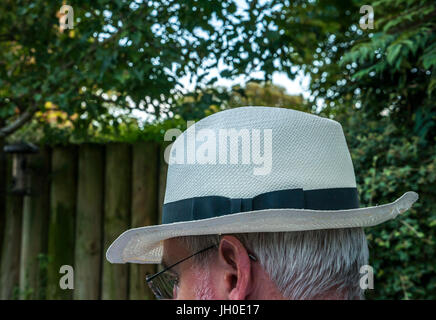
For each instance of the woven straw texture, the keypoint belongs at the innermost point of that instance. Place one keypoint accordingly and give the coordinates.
(308, 152)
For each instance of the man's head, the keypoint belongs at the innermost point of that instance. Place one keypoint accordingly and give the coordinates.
(320, 264)
(214, 187)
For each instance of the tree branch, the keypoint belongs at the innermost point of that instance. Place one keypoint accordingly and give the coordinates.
(17, 124)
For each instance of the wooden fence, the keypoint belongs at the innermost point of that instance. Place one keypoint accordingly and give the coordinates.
(82, 197)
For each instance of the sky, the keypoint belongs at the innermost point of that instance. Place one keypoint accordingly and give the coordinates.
(298, 86)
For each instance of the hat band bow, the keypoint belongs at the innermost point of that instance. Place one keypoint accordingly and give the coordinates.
(214, 206)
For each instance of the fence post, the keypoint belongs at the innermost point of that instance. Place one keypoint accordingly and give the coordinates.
(62, 216)
(10, 255)
(89, 216)
(144, 208)
(3, 170)
(35, 227)
(116, 216)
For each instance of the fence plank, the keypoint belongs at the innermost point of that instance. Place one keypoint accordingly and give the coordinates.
(144, 208)
(89, 216)
(10, 258)
(3, 168)
(35, 227)
(62, 216)
(163, 168)
(116, 216)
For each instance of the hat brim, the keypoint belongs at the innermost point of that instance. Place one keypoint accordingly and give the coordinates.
(145, 244)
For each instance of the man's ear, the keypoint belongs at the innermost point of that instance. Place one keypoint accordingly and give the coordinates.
(237, 268)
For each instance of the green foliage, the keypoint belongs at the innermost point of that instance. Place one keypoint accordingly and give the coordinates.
(265, 94)
(387, 163)
(193, 106)
(398, 59)
(203, 102)
(43, 266)
(128, 131)
(200, 102)
(38, 293)
(120, 54)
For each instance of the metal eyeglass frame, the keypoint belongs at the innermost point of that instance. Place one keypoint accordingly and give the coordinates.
(149, 278)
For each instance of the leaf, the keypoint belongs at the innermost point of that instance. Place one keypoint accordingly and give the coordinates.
(392, 53)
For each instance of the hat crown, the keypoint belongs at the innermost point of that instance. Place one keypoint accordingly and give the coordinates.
(272, 149)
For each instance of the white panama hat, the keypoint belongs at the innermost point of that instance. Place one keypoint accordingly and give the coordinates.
(302, 179)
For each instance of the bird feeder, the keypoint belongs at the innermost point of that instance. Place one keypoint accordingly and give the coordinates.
(20, 170)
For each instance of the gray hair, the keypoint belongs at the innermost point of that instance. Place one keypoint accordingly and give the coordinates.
(305, 264)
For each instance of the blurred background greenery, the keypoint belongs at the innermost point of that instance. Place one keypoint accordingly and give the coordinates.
(120, 75)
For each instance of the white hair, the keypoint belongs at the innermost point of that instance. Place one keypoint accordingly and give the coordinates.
(313, 264)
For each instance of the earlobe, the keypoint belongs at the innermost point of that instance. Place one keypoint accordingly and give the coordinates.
(236, 263)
